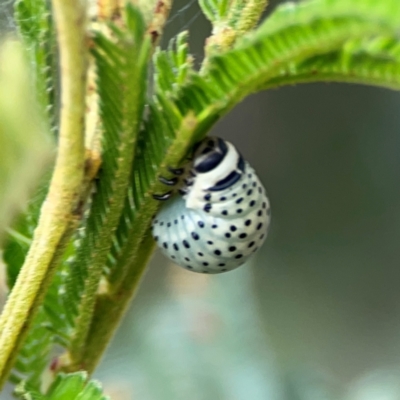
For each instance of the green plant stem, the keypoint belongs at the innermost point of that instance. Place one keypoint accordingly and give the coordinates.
(57, 212)
(110, 307)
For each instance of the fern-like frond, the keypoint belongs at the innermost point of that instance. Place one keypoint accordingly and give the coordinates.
(293, 35)
(121, 69)
(173, 66)
(373, 62)
(164, 141)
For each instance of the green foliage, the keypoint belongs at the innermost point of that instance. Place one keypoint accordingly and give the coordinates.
(66, 387)
(33, 18)
(355, 41)
(122, 71)
(24, 147)
(214, 10)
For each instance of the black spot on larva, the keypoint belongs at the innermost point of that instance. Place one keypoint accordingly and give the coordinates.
(205, 263)
(188, 266)
(252, 203)
(249, 192)
(169, 225)
(225, 212)
(228, 235)
(210, 242)
(176, 221)
(187, 259)
(207, 197)
(251, 244)
(182, 217)
(264, 204)
(268, 211)
(248, 222)
(239, 200)
(259, 213)
(254, 184)
(232, 248)
(221, 265)
(214, 226)
(155, 221)
(173, 257)
(217, 252)
(224, 269)
(239, 210)
(262, 236)
(249, 175)
(176, 247)
(195, 236)
(244, 186)
(165, 244)
(207, 207)
(206, 272)
(243, 235)
(161, 223)
(186, 244)
(200, 254)
(234, 195)
(259, 226)
(239, 256)
(200, 224)
(259, 190)
(233, 228)
(223, 198)
(255, 249)
(156, 238)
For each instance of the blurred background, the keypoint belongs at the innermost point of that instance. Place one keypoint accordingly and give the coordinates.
(316, 314)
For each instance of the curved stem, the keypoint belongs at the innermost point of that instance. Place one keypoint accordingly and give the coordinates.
(57, 213)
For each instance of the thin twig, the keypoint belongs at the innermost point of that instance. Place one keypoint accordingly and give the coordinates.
(57, 212)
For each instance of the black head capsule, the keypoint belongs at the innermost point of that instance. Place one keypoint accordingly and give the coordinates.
(209, 155)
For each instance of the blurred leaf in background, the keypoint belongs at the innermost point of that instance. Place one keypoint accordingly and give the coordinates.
(25, 148)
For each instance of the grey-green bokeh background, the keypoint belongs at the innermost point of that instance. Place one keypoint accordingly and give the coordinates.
(316, 314)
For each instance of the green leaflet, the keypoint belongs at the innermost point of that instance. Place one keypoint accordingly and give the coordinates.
(35, 27)
(73, 386)
(374, 62)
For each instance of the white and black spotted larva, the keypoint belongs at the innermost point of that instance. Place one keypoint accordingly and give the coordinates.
(220, 216)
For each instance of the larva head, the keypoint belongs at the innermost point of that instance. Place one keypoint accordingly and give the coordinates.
(217, 165)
